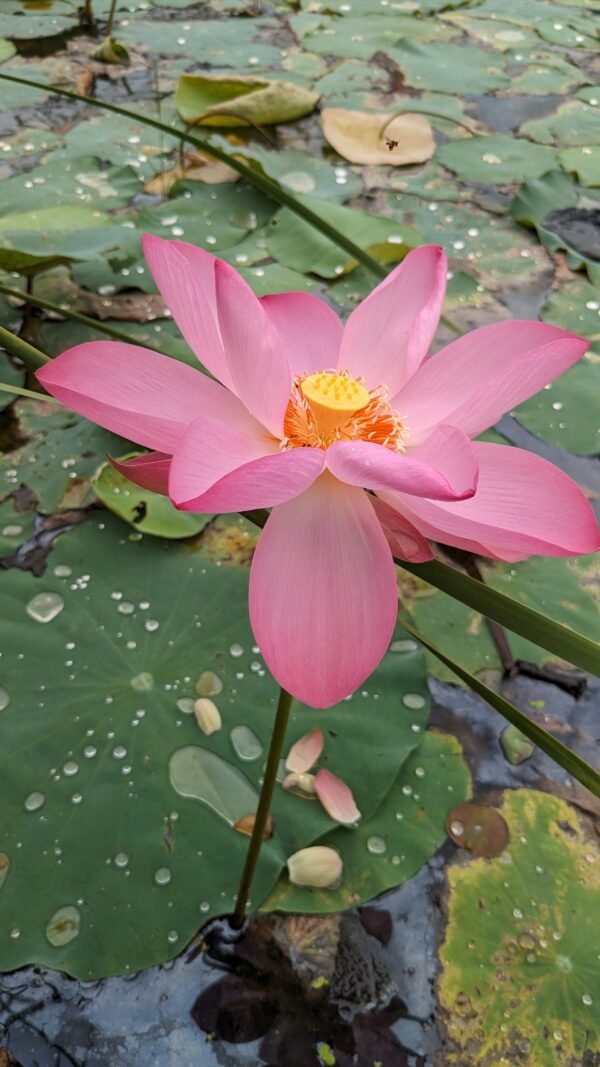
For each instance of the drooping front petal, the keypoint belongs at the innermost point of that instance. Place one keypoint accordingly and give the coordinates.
(388, 335)
(145, 397)
(238, 467)
(473, 381)
(259, 371)
(443, 468)
(323, 598)
(405, 541)
(150, 471)
(309, 329)
(523, 506)
(185, 276)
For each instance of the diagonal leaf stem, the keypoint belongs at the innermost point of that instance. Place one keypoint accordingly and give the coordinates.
(264, 806)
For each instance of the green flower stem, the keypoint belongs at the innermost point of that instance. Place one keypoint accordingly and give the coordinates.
(111, 18)
(264, 806)
(31, 356)
(76, 316)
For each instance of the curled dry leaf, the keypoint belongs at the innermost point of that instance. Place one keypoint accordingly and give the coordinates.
(240, 100)
(207, 716)
(336, 797)
(197, 167)
(245, 825)
(318, 867)
(378, 138)
(305, 751)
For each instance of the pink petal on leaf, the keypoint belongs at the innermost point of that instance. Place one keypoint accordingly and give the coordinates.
(150, 471)
(237, 468)
(145, 397)
(323, 598)
(336, 797)
(473, 381)
(259, 371)
(443, 468)
(305, 751)
(309, 329)
(388, 335)
(523, 506)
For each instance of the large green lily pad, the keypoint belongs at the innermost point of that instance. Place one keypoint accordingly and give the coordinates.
(519, 984)
(100, 667)
(449, 68)
(544, 203)
(497, 159)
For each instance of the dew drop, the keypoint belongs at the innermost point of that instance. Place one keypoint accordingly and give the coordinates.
(209, 684)
(119, 752)
(70, 768)
(377, 845)
(236, 651)
(142, 683)
(126, 607)
(151, 625)
(420, 772)
(245, 743)
(89, 751)
(64, 926)
(587, 1000)
(186, 705)
(403, 646)
(207, 777)
(62, 571)
(121, 859)
(4, 698)
(44, 607)
(413, 700)
(12, 530)
(457, 828)
(407, 790)
(76, 798)
(172, 937)
(15, 933)
(299, 181)
(162, 876)
(34, 801)
(204, 906)
(517, 913)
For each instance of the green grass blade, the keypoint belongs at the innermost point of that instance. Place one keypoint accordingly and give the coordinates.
(558, 752)
(75, 316)
(14, 345)
(535, 627)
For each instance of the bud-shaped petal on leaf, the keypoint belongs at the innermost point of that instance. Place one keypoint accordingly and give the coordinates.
(305, 752)
(207, 715)
(318, 867)
(336, 797)
(301, 785)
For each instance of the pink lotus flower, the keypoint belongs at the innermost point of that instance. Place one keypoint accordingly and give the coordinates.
(305, 416)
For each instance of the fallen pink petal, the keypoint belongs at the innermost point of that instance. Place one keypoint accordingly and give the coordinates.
(358, 440)
(305, 752)
(336, 797)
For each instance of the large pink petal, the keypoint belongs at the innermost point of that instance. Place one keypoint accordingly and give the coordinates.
(145, 397)
(323, 598)
(150, 471)
(259, 371)
(523, 506)
(405, 541)
(185, 276)
(443, 468)
(336, 797)
(484, 374)
(310, 330)
(237, 472)
(388, 335)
